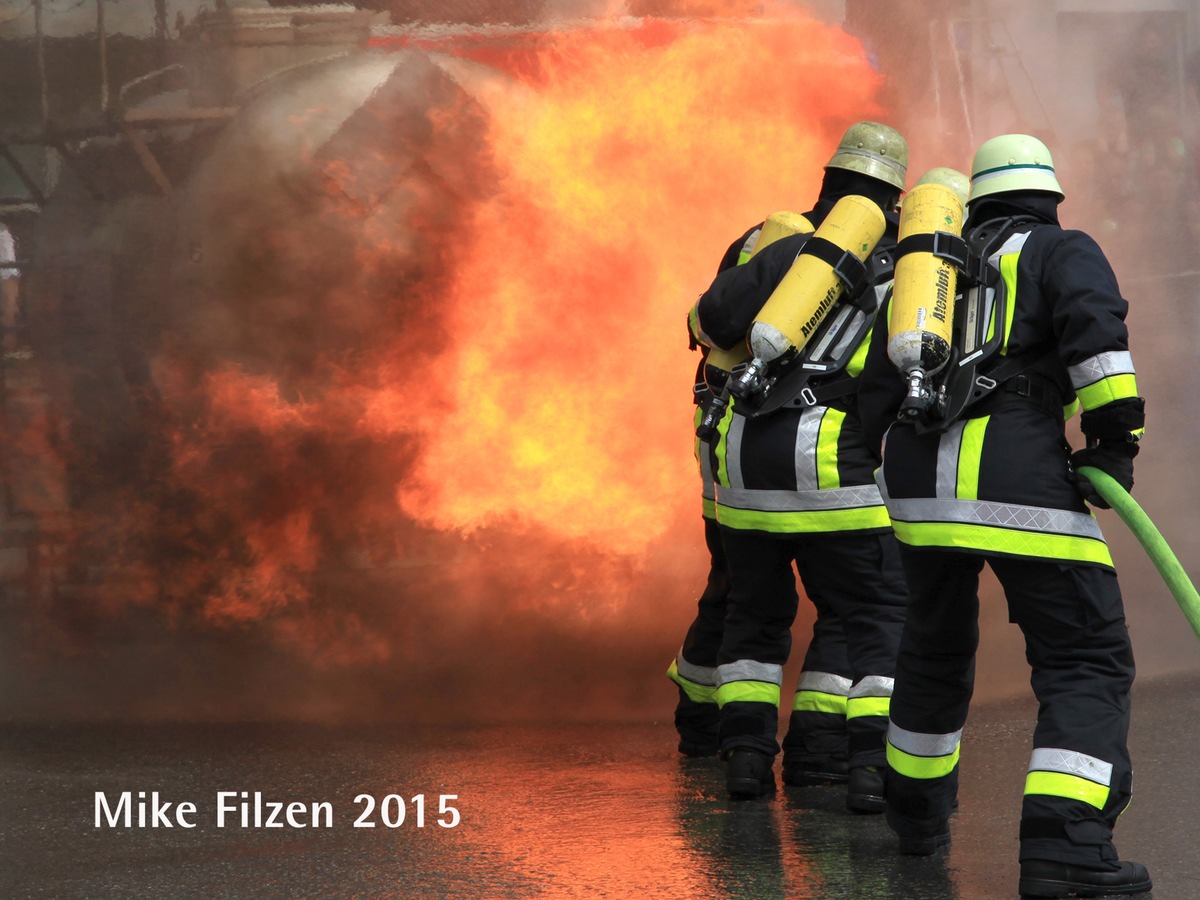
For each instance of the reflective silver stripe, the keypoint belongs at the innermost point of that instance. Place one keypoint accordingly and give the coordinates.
(1101, 366)
(1005, 515)
(949, 448)
(733, 451)
(824, 682)
(1005, 171)
(1068, 762)
(706, 675)
(851, 332)
(707, 486)
(916, 744)
(872, 686)
(749, 670)
(854, 497)
(751, 240)
(807, 432)
(1013, 245)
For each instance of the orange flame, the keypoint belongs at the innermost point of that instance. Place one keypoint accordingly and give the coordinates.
(632, 157)
(389, 378)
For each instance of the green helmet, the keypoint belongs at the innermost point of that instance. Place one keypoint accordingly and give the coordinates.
(875, 150)
(1013, 162)
(947, 177)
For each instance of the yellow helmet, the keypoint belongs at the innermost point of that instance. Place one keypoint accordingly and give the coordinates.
(873, 149)
(1013, 162)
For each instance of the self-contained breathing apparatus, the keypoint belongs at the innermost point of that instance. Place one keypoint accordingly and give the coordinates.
(719, 365)
(949, 306)
(814, 320)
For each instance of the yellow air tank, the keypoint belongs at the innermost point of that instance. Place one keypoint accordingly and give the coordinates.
(922, 309)
(720, 362)
(811, 286)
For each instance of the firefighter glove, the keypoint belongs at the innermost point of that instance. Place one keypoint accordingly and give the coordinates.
(1114, 458)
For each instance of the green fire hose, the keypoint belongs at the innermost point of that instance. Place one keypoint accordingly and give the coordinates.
(1152, 541)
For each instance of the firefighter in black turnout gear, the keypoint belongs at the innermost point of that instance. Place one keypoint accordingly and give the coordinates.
(694, 669)
(794, 487)
(985, 473)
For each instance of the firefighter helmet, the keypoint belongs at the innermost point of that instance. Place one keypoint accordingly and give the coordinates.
(947, 177)
(873, 149)
(1013, 162)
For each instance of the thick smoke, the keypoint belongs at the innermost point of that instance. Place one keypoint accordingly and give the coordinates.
(385, 414)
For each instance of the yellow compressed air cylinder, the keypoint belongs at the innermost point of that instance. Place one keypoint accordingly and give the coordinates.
(922, 311)
(780, 225)
(808, 290)
(720, 363)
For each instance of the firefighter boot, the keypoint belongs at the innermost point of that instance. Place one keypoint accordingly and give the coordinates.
(696, 724)
(813, 772)
(749, 774)
(864, 790)
(927, 845)
(1045, 878)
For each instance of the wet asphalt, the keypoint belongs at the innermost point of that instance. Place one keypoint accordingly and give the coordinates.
(521, 811)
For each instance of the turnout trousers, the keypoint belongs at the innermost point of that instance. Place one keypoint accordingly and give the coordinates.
(1081, 661)
(856, 584)
(694, 670)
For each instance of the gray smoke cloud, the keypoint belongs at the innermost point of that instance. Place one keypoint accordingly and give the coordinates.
(261, 270)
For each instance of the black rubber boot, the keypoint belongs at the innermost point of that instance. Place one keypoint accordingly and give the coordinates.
(813, 772)
(696, 724)
(864, 792)
(749, 774)
(924, 846)
(1046, 878)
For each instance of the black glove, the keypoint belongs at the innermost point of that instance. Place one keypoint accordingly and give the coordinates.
(1113, 458)
(1112, 431)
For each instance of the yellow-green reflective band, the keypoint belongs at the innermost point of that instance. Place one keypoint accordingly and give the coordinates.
(1072, 787)
(1003, 540)
(748, 692)
(803, 521)
(969, 453)
(867, 706)
(1008, 271)
(743, 257)
(827, 449)
(1071, 409)
(721, 474)
(697, 693)
(710, 508)
(859, 359)
(1115, 387)
(816, 701)
(924, 767)
(694, 322)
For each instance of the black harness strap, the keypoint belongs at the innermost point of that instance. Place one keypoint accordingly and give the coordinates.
(849, 269)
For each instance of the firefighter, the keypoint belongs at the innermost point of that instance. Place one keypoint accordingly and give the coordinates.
(794, 488)
(694, 668)
(986, 474)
